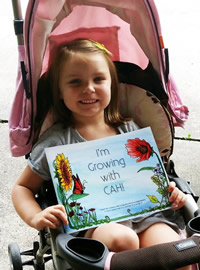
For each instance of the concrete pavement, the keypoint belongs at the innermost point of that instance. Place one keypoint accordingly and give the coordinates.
(180, 23)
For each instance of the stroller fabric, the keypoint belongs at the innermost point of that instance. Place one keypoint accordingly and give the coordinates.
(129, 29)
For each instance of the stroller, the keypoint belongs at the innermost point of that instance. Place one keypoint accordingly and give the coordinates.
(131, 31)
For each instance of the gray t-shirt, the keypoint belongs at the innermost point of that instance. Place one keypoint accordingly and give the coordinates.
(57, 135)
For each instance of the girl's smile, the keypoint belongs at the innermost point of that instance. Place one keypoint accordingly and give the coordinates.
(88, 101)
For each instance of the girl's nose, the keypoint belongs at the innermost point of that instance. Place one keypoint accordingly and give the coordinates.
(88, 88)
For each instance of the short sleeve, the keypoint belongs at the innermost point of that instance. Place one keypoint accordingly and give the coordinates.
(37, 160)
(54, 136)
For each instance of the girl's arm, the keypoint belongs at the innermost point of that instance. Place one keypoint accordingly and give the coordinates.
(177, 197)
(23, 197)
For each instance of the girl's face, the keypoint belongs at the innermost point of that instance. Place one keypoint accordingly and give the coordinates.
(85, 85)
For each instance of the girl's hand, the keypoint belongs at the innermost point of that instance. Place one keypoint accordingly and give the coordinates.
(177, 197)
(51, 217)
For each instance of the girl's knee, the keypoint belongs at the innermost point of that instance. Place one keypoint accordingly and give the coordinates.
(117, 237)
(125, 240)
(158, 233)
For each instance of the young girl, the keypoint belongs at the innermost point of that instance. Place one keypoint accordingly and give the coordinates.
(83, 87)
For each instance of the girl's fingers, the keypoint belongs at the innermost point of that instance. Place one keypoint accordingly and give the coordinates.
(50, 224)
(180, 200)
(177, 197)
(63, 214)
(174, 194)
(52, 217)
(59, 213)
(172, 185)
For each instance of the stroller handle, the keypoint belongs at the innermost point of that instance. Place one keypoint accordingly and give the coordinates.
(18, 21)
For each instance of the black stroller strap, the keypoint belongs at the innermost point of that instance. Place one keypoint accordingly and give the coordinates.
(146, 79)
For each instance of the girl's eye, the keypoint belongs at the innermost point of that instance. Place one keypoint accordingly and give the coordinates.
(75, 82)
(98, 79)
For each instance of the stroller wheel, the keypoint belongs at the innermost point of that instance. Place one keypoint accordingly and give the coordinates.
(15, 257)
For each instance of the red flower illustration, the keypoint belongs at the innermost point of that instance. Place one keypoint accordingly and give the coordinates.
(139, 149)
(71, 214)
(72, 204)
(92, 209)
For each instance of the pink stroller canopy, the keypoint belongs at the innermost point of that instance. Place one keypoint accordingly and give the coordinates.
(130, 29)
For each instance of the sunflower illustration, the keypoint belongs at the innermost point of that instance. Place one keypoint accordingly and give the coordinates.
(63, 172)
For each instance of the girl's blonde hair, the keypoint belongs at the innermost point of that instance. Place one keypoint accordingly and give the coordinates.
(62, 113)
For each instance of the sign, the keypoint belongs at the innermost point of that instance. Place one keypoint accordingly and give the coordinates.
(109, 180)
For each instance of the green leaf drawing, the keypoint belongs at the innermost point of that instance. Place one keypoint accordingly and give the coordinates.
(61, 194)
(153, 198)
(75, 197)
(156, 180)
(160, 190)
(146, 168)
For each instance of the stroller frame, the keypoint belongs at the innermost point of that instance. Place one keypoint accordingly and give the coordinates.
(48, 247)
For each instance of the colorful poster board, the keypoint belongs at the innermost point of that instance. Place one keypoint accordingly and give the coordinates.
(109, 180)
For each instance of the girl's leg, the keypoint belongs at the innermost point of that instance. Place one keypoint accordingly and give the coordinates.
(115, 236)
(157, 234)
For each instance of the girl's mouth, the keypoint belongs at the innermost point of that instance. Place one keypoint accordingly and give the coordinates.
(88, 101)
